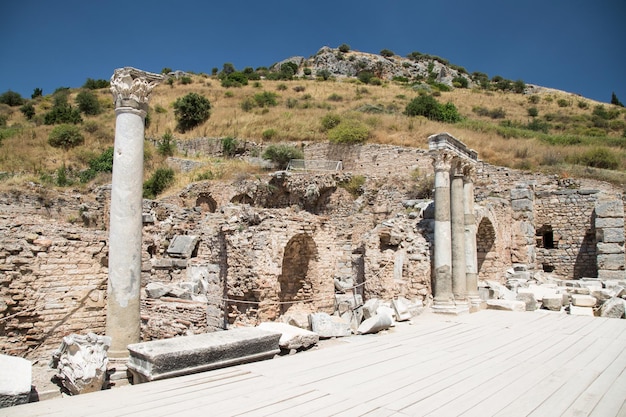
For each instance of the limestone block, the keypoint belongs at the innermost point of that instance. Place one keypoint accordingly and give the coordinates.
(522, 205)
(375, 324)
(15, 380)
(611, 262)
(580, 300)
(529, 300)
(370, 307)
(521, 193)
(506, 305)
(613, 308)
(157, 289)
(81, 362)
(601, 223)
(348, 302)
(552, 302)
(607, 248)
(386, 310)
(166, 358)
(182, 246)
(611, 275)
(298, 319)
(580, 311)
(610, 235)
(292, 337)
(501, 291)
(179, 292)
(327, 326)
(613, 208)
(401, 309)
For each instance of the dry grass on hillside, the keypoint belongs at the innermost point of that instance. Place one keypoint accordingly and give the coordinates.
(301, 104)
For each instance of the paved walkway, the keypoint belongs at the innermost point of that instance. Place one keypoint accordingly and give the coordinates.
(491, 363)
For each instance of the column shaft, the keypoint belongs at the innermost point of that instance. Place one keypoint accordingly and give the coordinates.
(442, 262)
(471, 261)
(459, 286)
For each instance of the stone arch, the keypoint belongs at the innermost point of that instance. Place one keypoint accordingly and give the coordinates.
(242, 199)
(485, 246)
(295, 280)
(206, 202)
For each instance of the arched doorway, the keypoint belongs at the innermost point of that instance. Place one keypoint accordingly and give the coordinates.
(206, 203)
(485, 249)
(295, 282)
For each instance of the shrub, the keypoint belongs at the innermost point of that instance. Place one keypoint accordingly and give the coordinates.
(65, 136)
(335, 97)
(28, 110)
(234, 79)
(160, 109)
(533, 112)
(11, 98)
(354, 186)
(307, 71)
(583, 104)
(460, 82)
(519, 86)
(534, 99)
(88, 103)
(265, 99)
(615, 101)
(323, 74)
(562, 102)
(186, 80)
(299, 88)
(167, 145)
(281, 87)
(330, 120)
(229, 146)
(598, 158)
(282, 154)
(425, 106)
(92, 84)
(61, 178)
(365, 76)
(449, 113)
(538, 126)
(247, 105)
(387, 53)
(158, 182)
(349, 131)
(344, 48)
(63, 113)
(269, 134)
(291, 103)
(191, 111)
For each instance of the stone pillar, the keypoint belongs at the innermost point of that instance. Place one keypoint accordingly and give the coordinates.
(131, 90)
(442, 258)
(471, 261)
(457, 220)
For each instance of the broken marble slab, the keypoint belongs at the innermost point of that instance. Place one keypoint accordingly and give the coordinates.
(528, 299)
(506, 305)
(552, 302)
(157, 289)
(292, 337)
(401, 309)
(613, 308)
(580, 311)
(375, 324)
(15, 380)
(327, 326)
(182, 246)
(580, 300)
(160, 359)
(370, 307)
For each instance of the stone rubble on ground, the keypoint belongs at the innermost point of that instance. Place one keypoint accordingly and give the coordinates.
(15, 385)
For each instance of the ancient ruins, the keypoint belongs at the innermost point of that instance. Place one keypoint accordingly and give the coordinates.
(281, 246)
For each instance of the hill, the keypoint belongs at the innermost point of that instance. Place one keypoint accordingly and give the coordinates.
(508, 122)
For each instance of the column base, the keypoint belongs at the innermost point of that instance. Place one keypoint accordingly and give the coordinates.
(118, 372)
(476, 303)
(450, 307)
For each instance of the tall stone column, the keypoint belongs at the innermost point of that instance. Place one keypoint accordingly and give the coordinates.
(131, 90)
(442, 259)
(471, 261)
(457, 209)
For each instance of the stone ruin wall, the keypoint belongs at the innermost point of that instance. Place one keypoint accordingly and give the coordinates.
(53, 246)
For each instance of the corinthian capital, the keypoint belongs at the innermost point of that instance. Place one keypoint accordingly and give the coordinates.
(442, 160)
(132, 87)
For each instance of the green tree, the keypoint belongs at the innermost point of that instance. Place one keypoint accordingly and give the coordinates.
(88, 103)
(191, 110)
(92, 84)
(167, 145)
(282, 154)
(65, 136)
(344, 48)
(425, 106)
(615, 100)
(11, 98)
(37, 92)
(387, 53)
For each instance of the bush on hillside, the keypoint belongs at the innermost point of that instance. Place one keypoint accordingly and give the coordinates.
(11, 98)
(229, 146)
(344, 48)
(88, 103)
(92, 84)
(101, 163)
(158, 182)
(265, 99)
(597, 158)
(167, 145)
(62, 114)
(282, 154)
(65, 136)
(387, 53)
(191, 110)
(349, 131)
(430, 108)
(330, 120)
(28, 110)
(37, 92)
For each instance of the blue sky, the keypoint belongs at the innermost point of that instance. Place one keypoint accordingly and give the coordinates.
(572, 45)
